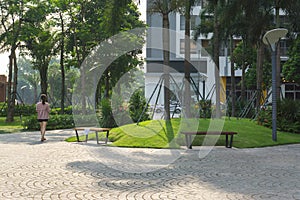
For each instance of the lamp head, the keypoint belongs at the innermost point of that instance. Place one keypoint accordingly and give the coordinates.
(271, 37)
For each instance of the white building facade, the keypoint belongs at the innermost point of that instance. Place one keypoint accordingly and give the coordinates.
(201, 63)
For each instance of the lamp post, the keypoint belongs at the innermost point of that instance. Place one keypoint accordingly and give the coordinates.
(203, 78)
(271, 39)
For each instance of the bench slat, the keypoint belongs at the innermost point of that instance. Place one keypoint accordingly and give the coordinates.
(188, 136)
(209, 133)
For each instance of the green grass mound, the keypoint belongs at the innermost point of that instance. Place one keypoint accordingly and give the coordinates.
(162, 134)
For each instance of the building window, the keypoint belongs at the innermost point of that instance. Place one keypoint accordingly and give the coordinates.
(284, 47)
(292, 91)
(195, 21)
(193, 47)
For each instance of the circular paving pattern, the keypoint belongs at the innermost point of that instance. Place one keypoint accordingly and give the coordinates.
(56, 169)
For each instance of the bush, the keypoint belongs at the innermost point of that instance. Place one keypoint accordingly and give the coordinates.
(24, 110)
(56, 111)
(288, 116)
(205, 108)
(106, 118)
(55, 122)
(137, 103)
(28, 110)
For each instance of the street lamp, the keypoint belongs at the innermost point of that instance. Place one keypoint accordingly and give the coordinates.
(271, 39)
(203, 78)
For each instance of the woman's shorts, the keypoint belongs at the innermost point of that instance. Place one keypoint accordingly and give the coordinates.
(42, 120)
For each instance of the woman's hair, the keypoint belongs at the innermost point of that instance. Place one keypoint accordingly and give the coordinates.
(43, 98)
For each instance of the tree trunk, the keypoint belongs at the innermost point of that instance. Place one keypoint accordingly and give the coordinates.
(259, 74)
(243, 88)
(35, 91)
(166, 71)
(10, 100)
(106, 84)
(216, 60)
(44, 80)
(62, 67)
(187, 56)
(233, 91)
(15, 84)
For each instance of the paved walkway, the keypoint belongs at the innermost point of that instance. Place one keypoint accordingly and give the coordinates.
(56, 169)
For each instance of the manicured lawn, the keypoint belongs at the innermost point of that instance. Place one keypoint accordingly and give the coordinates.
(152, 134)
(15, 126)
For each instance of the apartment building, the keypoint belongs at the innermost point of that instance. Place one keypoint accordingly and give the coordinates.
(201, 63)
(202, 66)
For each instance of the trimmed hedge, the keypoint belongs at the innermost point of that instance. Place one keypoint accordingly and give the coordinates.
(55, 122)
(24, 110)
(28, 110)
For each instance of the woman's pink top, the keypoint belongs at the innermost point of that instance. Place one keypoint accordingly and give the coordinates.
(43, 110)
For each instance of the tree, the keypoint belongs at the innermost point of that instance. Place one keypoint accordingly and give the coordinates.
(60, 7)
(11, 24)
(212, 17)
(39, 38)
(253, 26)
(185, 7)
(30, 79)
(291, 68)
(243, 56)
(291, 8)
(120, 17)
(164, 8)
(41, 47)
(80, 36)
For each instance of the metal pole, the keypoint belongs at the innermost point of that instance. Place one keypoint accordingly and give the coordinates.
(203, 85)
(274, 95)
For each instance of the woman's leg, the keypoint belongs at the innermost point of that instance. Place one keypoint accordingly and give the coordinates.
(43, 130)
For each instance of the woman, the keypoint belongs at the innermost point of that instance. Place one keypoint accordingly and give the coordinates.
(43, 110)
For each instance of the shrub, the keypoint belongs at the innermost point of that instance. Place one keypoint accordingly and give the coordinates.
(137, 103)
(56, 111)
(106, 118)
(55, 122)
(28, 110)
(288, 116)
(205, 108)
(24, 110)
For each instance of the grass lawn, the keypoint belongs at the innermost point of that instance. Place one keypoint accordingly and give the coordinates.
(153, 134)
(15, 126)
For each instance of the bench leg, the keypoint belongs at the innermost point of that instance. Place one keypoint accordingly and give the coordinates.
(77, 136)
(231, 139)
(229, 143)
(106, 139)
(226, 144)
(86, 137)
(97, 137)
(188, 140)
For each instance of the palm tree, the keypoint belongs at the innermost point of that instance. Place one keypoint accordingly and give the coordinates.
(186, 7)
(164, 8)
(252, 29)
(214, 9)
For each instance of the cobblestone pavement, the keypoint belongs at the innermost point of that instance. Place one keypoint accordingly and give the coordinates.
(56, 169)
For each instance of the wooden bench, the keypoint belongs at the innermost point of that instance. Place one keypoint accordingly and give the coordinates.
(96, 130)
(188, 136)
